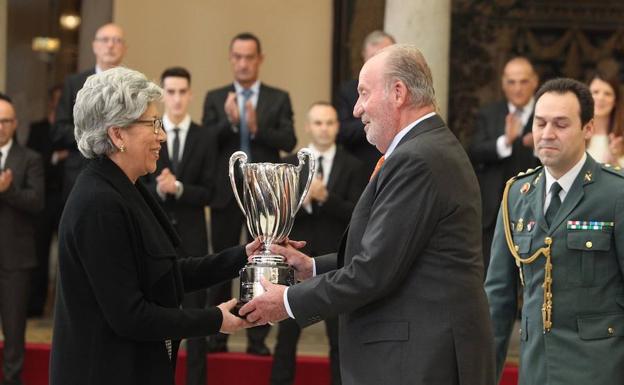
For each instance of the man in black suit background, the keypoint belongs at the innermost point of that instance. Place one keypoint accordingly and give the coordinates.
(502, 144)
(258, 119)
(183, 184)
(109, 48)
(40, 140)
(352, 135)
(21, 198)
(322, 220)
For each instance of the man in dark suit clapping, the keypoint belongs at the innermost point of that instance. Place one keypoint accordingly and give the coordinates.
(183, 184)
(21, 198)
(502, 144)
(257, 119)
(322, 220)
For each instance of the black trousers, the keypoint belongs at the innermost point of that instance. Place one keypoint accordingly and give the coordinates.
(14, 286)
(285, 355)
(225, 227)
(195, 347)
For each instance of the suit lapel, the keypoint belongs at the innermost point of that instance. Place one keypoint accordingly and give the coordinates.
(336, 170)
(577, 191)
(262, 104)
(14, 157)
(189, 147)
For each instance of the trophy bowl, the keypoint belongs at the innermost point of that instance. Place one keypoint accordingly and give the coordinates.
(272, 193)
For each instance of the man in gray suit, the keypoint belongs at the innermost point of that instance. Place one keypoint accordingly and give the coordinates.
(407, 279)
(21, 197)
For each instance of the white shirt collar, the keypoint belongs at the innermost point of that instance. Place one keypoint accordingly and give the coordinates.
(526, 108)
(566, 179)
(327, 155)
(403, 132)
(254, 87)
(5, 152)
(183, 125)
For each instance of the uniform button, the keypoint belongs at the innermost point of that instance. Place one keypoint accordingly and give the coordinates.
(611, 331)
(516, 247)
(548, 240)
(520, 331)
(589, 244)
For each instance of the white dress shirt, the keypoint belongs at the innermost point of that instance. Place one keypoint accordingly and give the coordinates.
(5, 152)
(328, 160)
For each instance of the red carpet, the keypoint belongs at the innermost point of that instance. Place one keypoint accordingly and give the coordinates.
(224, 369)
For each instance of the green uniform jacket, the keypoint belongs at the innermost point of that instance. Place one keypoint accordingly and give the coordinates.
(586, 342)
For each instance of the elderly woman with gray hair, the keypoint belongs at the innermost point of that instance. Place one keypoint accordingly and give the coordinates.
(118, 318)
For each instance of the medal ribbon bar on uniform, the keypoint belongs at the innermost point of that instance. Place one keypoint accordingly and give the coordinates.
(590, 225)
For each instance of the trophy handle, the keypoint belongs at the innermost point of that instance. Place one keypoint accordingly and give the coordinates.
(238, 155)
(301, 155)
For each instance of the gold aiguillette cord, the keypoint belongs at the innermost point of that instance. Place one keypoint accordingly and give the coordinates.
(547, 305)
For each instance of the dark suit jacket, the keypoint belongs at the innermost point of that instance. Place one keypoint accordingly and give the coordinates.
(323, 227)
(63, 129)
(18, 208)
(40, 140)
(196, 173)
(352, 135)
(410, 295)
(121, 285)
(491, 171)
(275, 133)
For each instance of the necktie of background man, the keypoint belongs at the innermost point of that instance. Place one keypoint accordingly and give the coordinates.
(175, 156)
(245, 140)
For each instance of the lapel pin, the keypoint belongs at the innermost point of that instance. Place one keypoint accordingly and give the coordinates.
(588, 176)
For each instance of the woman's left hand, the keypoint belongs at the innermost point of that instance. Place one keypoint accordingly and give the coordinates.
(253, 247)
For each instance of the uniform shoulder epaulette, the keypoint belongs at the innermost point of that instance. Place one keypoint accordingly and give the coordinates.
(529, 172)
(613, 169)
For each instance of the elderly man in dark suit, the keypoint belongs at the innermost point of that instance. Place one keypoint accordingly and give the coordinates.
(338, 183)
(257, 119)
(407, 281)
(183, 185)
(502, 144)
(109, 48)
(21, 197)
(351, 134)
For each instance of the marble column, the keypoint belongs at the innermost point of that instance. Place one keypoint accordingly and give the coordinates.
(427, 24)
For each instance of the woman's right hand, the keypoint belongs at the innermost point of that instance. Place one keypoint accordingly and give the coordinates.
(232, 323)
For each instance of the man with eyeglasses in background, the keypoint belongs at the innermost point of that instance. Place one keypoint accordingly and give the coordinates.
(109, 48)
(21, 197)
(183, 184)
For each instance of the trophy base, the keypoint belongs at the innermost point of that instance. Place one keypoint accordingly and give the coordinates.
(275, 272)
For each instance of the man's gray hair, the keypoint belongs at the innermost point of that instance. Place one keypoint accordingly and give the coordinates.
(408, 65)
(376, 37)
(113, 98)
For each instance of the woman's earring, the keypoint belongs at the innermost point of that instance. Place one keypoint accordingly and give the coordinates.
(122, 148)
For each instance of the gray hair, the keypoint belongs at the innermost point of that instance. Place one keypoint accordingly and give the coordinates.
(376, 37)
(408, 65)
(113, 98)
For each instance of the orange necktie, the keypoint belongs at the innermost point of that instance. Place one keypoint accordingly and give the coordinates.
(380, 163)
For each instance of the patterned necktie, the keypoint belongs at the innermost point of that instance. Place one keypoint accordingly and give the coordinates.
(380, 163)
(319, 169)
(555, 203)
(175, 157)
(245, 141)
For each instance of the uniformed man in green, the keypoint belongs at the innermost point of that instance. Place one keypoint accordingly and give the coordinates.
(560, 231)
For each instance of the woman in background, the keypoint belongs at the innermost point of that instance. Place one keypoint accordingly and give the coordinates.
(606, 145)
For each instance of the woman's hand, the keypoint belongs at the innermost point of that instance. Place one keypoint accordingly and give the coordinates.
(253, 247)
(231, 323)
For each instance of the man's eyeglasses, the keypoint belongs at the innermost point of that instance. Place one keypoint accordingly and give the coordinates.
(108, 39)
(156, 123)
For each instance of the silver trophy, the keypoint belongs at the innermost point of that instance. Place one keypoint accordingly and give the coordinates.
(272, 195)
